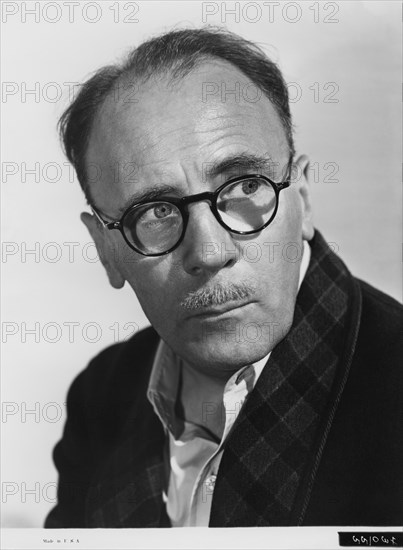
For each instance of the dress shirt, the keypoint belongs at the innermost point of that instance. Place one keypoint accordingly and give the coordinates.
(194, 454)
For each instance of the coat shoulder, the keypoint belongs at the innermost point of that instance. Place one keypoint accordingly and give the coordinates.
(122, 362)
(381, 317)
(113, 384)
(359, 480)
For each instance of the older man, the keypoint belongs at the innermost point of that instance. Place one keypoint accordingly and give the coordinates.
(265, 391)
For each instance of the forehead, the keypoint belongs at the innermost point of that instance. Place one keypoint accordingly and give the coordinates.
(165, 130)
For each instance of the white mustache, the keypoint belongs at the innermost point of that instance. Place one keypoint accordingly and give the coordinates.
(217, 295)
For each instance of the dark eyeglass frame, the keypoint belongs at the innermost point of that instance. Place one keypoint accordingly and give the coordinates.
(211, 196)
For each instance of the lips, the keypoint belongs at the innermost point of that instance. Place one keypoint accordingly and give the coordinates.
(221, 310)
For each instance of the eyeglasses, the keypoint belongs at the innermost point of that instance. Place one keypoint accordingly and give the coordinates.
(243, 205)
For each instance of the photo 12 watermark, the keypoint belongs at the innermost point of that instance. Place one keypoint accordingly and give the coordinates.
(248, 92)
(70, 12)
(68, 332)
(270, 12)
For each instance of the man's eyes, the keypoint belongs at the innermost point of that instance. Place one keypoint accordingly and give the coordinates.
(157, 212)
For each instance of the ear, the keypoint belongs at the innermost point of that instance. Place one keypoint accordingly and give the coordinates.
(302, 164)
(104, 248)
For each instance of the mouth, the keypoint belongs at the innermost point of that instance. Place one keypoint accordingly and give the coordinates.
(218, 312)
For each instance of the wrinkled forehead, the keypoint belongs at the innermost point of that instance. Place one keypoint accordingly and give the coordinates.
(161, 123)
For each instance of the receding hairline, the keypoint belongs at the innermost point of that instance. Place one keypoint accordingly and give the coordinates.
(129, 82)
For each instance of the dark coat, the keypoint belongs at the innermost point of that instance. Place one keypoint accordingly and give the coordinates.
(345, 468)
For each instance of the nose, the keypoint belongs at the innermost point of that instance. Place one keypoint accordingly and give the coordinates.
(207, 246)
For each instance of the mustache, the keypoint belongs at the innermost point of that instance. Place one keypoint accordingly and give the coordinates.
(217, 295)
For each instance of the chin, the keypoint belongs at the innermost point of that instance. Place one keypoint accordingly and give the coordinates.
(225, 355)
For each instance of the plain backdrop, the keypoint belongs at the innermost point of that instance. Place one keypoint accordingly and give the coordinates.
(342, 61)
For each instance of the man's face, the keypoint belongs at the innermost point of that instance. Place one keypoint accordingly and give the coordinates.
(169, 137)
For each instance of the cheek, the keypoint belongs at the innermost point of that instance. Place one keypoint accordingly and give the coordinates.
(155, 286)
(280, 245)
(290, 216)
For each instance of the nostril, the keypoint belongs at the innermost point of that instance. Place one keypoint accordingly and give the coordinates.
(231, 262)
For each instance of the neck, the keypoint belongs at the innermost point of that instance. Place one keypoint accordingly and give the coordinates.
(201, 399)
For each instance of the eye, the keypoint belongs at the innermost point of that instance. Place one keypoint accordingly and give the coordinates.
(242, 190)
(162, 210)
(155, 215)
(250, 186)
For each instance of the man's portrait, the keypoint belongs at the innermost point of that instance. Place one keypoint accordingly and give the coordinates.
(260, 386)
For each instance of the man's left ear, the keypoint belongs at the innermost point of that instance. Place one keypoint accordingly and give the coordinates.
(302, 183)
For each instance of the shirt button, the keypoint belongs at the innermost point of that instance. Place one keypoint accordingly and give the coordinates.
(210, 482)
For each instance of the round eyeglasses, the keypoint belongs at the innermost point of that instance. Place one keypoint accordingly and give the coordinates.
(243, 205)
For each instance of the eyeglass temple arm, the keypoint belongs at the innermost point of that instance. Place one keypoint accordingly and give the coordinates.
(283, 184)
(286, 182)
(107, 225)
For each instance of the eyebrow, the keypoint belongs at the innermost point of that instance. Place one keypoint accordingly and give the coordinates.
(239, 162)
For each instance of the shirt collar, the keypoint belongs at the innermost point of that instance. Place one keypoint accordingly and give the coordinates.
(164, 379)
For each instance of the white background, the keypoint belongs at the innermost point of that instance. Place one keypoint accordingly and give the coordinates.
(357, 53)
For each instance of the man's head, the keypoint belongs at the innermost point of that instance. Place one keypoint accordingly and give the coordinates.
(187, 112)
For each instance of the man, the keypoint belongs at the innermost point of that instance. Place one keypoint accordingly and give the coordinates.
(265, 393)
